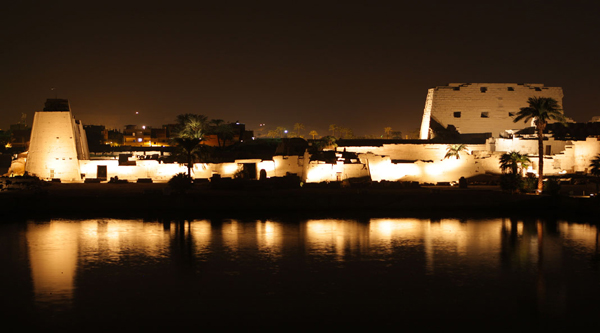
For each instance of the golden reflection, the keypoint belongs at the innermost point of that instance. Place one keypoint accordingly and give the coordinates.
(109, 239)
(53, 258)
(383, 232)
(230, 234)
(437, 238)
(269, 237)
(584, 237)
(201, 232)
(336, 237)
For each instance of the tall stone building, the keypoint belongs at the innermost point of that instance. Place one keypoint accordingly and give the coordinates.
(57, 143)
(480, 107)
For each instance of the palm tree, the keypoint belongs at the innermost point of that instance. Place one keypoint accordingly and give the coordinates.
(455, 150)
(332, 128)
(297, 128)
(191, 125)
(313, 133)
(224, 132)
(278, 132)
(595, 170)
(345, 132)
(514, 161)
(190, 132)
(189, 148)
(541, 110)
(388, 131)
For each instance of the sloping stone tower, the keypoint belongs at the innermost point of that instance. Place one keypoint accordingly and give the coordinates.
(57, 143)
(481, 107)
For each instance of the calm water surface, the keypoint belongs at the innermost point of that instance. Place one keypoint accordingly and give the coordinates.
(421, 274)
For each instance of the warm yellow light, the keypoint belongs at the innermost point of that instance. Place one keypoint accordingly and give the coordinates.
(229, 169)
(434, 169)
(266, 165)
(320, 173)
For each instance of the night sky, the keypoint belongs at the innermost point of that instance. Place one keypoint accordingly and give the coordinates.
(358, 64)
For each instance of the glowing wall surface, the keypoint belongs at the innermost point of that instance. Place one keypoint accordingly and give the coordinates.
(481, 107)
(56, 146)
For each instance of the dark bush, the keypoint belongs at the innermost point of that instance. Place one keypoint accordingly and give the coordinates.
(551, 186)
(180, 183)
(511, 182)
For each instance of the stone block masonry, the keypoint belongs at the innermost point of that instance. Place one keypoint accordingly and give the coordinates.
(481, 107)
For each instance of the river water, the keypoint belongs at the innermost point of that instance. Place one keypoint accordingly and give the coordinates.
(419, 274)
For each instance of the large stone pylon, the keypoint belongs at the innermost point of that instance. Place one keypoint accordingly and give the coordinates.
(57, 143)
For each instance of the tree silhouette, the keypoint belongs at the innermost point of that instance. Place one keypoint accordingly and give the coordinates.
(224, 132)
(333, 128)
(540, 110)
(277, 132)
(595, 170)
(514, 161)
(190, 132)
(297, 128)
(388, 131)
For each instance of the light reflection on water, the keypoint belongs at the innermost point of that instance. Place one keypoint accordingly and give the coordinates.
(443, 256)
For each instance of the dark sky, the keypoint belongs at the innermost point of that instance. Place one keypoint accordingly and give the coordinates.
(364, 65)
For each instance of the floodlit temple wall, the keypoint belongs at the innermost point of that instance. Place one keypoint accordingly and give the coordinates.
(399, 165)
(445, 170)
(527, 146)
(57, 144)
(481, 107)
(287, 164)
(409, 151)
(584, 152)
(319, 171)
(403, 162)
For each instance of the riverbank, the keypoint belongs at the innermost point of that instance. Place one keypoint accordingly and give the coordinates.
(58, 200)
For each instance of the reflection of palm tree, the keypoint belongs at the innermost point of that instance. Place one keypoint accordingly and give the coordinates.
(455, 150)
(514, 161)
(595, 170)
(540, 110)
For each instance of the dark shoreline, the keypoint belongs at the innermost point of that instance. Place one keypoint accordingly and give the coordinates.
(149, 201)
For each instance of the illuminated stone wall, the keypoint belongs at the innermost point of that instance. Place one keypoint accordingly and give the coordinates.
(383, 168)
(409, 151)
(527, 146)
(56, 146)
(481, 107)
(584, 152)
(318, 171)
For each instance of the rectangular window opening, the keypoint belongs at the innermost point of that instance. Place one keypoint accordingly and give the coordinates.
(457, 114)
(485, 115)
(483, 89)
(510, 89)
